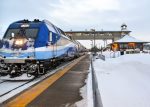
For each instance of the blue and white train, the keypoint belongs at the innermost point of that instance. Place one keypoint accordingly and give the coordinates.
(33, 46)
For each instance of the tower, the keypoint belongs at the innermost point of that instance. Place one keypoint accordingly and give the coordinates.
(123, 27)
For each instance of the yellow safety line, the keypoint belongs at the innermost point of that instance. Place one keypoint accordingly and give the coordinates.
(29, 95)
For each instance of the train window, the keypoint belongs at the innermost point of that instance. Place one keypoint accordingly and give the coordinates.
(29, 33)
(51, 27)
(50, 36)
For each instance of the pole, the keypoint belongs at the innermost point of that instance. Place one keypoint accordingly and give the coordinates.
(104, 43)
(94, 43)
(92, 46)
(93, 33)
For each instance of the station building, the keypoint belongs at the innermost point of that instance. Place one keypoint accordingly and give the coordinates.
(127, 43)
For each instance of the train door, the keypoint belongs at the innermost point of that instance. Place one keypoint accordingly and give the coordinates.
(52, 40)
(55, 45)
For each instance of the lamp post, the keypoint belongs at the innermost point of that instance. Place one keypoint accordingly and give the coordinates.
(91, 45)
(94, 43)
(94, 49)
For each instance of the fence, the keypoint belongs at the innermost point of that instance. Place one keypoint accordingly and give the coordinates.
(102, 57)
(96, 94)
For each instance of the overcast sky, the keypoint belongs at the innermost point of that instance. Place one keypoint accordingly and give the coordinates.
(81, 14)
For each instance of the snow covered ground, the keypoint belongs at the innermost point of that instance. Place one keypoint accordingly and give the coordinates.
(124, 81)
(87, 93)
(111, 54)
(7, 86)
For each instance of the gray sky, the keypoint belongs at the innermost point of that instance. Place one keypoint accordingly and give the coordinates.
(81, 14)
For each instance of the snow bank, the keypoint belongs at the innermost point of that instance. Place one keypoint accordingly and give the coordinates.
(124, 81)
(111, 54)
(86, 93)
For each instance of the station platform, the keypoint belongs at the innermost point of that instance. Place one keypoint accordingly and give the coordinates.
(63, 92)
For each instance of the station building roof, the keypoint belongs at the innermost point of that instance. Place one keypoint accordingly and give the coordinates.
(129, 39)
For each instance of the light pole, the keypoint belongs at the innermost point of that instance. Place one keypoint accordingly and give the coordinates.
(94, 49)
(91, 45)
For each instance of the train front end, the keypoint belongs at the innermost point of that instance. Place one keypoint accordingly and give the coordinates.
(17, 51)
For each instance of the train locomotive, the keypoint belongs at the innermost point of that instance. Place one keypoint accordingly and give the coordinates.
(33, 47)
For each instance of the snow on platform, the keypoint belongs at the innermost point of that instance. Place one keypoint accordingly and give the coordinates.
(23, 77)
(7, 86)
(124, 81)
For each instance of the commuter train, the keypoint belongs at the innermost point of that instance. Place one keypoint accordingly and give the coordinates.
(33, 47)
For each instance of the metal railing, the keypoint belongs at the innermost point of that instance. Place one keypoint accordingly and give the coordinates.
(102, 57)
(97, 102)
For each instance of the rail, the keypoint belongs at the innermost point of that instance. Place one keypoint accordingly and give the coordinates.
(102, 57)
(97, 102)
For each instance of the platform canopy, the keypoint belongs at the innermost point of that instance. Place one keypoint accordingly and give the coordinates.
(129, 39)
(97, 35)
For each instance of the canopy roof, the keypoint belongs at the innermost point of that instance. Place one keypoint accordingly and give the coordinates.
(127, 39)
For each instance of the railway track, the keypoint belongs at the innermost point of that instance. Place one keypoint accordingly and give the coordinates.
(2, 82)
(10, 88)
(14, 86)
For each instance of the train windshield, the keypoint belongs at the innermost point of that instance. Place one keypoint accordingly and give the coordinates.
(28, 33)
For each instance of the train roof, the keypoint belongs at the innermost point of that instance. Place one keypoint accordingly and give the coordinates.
(26, 23)
(36, 23)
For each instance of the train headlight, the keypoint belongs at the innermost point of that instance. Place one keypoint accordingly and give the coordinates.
(19, 42)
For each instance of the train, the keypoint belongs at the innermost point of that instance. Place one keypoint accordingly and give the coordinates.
(33, 47)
